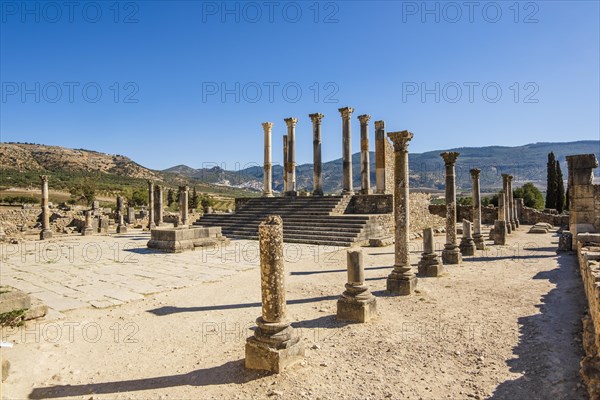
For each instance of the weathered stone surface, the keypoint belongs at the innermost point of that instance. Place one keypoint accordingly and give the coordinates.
(291, 156)
(500, 232)
(380, 158)
(275, 345)
(381, 242)
(565, 241)
(151, 223)
(451, 253)
(13, 299)
(46, 233)
(5, 369)
(356, 304)
(365, 171)
(268, 165)
(38, 309)
(467, 244)
(429, 265)
(175, 240)
(346, 113)
(317, 161)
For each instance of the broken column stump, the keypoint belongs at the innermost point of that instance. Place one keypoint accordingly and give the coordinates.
(467, 244)
(430, 264)
(275, 344)
(356, 304)
(500, 232)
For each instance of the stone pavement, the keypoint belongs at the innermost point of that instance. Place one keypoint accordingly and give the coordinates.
(102, 271)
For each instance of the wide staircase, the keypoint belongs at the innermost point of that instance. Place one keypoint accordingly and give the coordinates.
(310, 220)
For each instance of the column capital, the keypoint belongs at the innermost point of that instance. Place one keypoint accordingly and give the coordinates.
(44, 178)
(400, 140)
(316, 118)
(150, 183)
(267, 126)
(475, 172)
(450, 157)
(379, 125)
(184, 188)
(364, 119)
(291, 122)
(346, 112)
(505, 178)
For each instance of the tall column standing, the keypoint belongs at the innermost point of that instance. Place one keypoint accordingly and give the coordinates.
(451, 253)
(402, 280)
(285, 163)
(505, 178)
(511, 201)
(476, 193)
(346, 113)
(183, 204)
(317, 162)
(268, 165)
(121, 227)
(291, 125)
(380, 157)
(365, 168)
(158, 205)
(151, 224)
(275, 344)
(46, 233)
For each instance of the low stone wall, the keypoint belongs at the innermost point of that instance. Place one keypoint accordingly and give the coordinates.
(588, 253)
(531, 216)
(528, 216)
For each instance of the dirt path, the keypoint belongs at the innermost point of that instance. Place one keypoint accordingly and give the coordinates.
(504, 325)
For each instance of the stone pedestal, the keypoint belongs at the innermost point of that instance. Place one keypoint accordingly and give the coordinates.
(121, 227)
(500, 232)
(317, 161)
(347, 187)
(365, 169)
(46, 232)
(88, 229)
(182, 239)
(356, 304)
(467, 244)
(430, 264)
(275, 344)
(268, 165)
(476, 192)
(291, 161)
(451, 253)
(151, 223)
(402, 281)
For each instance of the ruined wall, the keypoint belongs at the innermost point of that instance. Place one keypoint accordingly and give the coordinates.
(588, 253)
(529, 216)
(389, 166)
(371, 204)
(584, 196)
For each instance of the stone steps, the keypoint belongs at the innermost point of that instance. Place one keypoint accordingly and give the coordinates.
(306, 220)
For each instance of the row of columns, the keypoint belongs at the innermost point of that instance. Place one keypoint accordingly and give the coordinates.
(289, 155)
(156, 205)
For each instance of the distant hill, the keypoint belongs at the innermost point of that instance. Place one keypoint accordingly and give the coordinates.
(527, 163)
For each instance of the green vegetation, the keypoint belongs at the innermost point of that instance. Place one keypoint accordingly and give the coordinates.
(532, 197)
(465, 201)
(13, 318)
(83, 192)
(555, 187)
(13, 200)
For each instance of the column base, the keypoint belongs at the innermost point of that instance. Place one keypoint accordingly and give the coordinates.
(151, 226)
(508, 228)
(467, 246)
(479, 241)
(365, 191)
(267, 195)
(45, 234)
(87, 232)
(517, 223)
(513, 225)
(121, 229)
(274, 347)
(352, 309)
(451, 255)
(317, 193)
(430, 266)
(348, 191)
(400, 285)
(291, 193)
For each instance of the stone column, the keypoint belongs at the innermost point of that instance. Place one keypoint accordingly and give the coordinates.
(347, 187)
(519, 204)
(151, 224)
(511, 204)
(88, 229)
(268, 165)
(380, 157)
(291, 125)
(476, 193)
(516, 212)
(285, 163)
(500, 232)
(584, 208)
(46, 232)
(402, 280)
(365, 168)
(451, 253)
(275, 344)
(158, 205)
(121, 227)
(430, 265)
(317, 162)
(501, 210)
(505, 189)
(467, 244)
(183, 204)
(356, 303)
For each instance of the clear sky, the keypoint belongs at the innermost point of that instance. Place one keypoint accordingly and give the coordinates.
(188, 82)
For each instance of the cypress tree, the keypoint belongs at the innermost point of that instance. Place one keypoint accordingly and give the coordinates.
(551, 187)
(560, 189)
(170, 197)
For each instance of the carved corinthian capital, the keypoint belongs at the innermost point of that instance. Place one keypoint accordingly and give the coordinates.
(400, 140)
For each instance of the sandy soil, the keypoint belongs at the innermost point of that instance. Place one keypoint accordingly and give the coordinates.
(504, 325)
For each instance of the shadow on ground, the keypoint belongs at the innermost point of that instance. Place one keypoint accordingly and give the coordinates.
(549, 347)
(230, 372)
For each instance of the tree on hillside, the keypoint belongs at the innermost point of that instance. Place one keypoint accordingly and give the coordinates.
(560, 189)
(532, 197)
(551, 186)
(84, 191)
(170, 197)
(137, 197)
(194, 200)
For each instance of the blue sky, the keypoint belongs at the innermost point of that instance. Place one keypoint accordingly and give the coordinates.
(161, 67)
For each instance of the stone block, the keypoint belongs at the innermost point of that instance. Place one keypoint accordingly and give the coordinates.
(402, 287)
(13, 299)
(180, 239)
(262, 356)
(37, 310)
(356, 310)
(381, 242)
